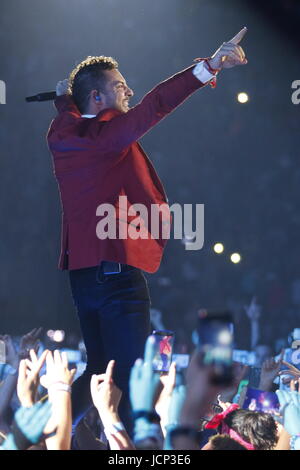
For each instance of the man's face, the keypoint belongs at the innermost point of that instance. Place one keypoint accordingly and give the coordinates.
(116, 93)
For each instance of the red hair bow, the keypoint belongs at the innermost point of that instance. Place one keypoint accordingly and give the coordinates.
(218, 419)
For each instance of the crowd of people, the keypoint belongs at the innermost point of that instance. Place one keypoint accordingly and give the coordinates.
(175, 410)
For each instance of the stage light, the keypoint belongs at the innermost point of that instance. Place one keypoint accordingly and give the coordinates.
(58, 336)
(242, 97)
(224, 338)
(218, 248)
(235, 258)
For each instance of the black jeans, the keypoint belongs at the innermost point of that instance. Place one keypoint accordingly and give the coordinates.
(113, 310)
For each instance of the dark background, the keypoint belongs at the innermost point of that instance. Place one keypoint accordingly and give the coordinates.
(240, 160)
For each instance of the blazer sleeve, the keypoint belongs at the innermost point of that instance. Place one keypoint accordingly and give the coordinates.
(122, 129)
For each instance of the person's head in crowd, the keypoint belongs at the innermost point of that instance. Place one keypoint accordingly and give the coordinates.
(252, 427)
(223, 442)
(262, 352)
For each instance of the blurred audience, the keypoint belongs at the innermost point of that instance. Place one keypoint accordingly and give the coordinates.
(172, 410)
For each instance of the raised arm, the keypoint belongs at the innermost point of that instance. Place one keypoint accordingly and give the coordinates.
(106, 397)
(113, 131)
(58, 380)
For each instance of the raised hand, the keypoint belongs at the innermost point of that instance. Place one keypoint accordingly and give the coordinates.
(163, 403)
(200, 391)
(177, 400)
(290, 409)
(291, 371)
(28, 379)
(239, 372)
(176, 404)
(230, 53)
(62, 87)
(29, 341)
(144, 381)
(58, 380)
(253, 310)
(269, 371)
(33, 420)
(105, 394)
(57, 370)
(28, 427)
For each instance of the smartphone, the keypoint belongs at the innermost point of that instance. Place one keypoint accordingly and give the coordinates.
(182, 361)
(215, 342)
(258, 400)
(164, 341)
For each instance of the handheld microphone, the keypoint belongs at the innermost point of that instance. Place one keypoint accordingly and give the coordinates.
(48, 96)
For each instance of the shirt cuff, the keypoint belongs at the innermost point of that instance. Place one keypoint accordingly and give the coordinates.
(201, 72)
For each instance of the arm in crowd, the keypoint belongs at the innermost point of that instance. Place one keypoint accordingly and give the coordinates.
(253, 311)
(28, 426)
(269, 371)
(143, 385)
(9, 384)
(290, 410)
(12, 358)
(239, 372)
(200, 395)
(106, 398)
(58, 380)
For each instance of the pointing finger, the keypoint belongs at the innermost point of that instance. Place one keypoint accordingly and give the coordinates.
(22, 371)
(239, 36)
(109, 371)
(41, 360)
(149, 350)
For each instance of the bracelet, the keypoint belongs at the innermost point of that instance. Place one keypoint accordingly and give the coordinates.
(210, 69)
(60, 387)
(145, 430)
(185, 431)
(150, 416)
(213, 82)
(113, 429)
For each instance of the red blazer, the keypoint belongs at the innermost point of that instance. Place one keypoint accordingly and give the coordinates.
(98, 159)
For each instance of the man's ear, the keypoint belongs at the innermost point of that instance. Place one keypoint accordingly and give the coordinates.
(96, 96)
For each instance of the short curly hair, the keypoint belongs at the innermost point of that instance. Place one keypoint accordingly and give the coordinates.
(225, 442)
(255, 427)
(88, 76)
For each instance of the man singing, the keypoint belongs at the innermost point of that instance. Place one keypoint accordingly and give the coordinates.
(97, 159)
